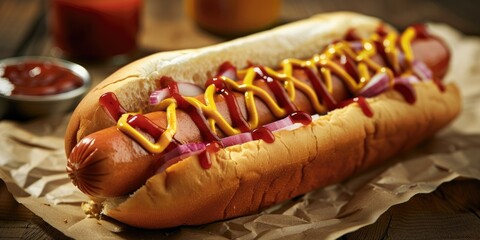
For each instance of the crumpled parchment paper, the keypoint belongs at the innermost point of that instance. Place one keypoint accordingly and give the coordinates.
(32, 164)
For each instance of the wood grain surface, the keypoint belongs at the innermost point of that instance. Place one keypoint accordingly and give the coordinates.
(451, 212)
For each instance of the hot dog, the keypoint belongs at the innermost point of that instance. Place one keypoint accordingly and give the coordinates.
(372, 93)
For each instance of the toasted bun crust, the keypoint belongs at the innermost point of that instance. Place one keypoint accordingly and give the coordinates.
(136, 80)
(255, 175)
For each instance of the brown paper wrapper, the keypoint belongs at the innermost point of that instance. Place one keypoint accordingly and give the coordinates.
(32, 164)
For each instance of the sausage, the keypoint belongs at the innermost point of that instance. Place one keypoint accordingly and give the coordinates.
(92, 160)
(109, 156)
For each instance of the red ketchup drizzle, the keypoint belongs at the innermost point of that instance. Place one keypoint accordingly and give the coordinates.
(301, 117)
(237, 119)
(205, 160)
(160, 83)
(111, 105)
(407, 92)
(439, 84)
(224, 67)
(172, 86)
(146, 125)
(366, 109)
(204, 157)
(320, 89)
(39, 78)
(381, 51)
(227, 69)
(141, 122)
(278, 91)
(352, 35)
(262, 133)
(349, 66)
(421, 31)
(382, 30)
(193, 112)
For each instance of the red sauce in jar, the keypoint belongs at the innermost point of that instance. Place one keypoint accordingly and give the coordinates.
(40, 78)
(95, 28)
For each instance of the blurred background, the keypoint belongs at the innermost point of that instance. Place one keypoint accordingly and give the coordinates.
(25, 27)
(41, 27)
(103, 35)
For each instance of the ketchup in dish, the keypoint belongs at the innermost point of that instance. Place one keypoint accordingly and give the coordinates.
(37, 78)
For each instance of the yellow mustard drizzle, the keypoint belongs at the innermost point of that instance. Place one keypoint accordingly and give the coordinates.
(320, 64)
(405, 40)
(391, 51)
(167, 135)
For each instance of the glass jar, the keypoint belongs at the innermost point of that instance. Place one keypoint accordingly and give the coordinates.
(234, 17)
(95, 28)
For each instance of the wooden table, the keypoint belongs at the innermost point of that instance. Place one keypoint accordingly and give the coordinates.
(24, 31)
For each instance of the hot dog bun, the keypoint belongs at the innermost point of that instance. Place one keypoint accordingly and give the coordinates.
(254, 175)
(136, 80)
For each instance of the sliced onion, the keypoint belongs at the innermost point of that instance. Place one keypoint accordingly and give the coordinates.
(407, 79)
(378, 84)
(230, 73)
(157, 96)
(189, 149)
(356, 45)
(279, 124)
(401, 60)
(284, 123)
(184, 88)
(237, 139)
(181, 152)
(422, 70)
(247, 136)
(189, 89)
